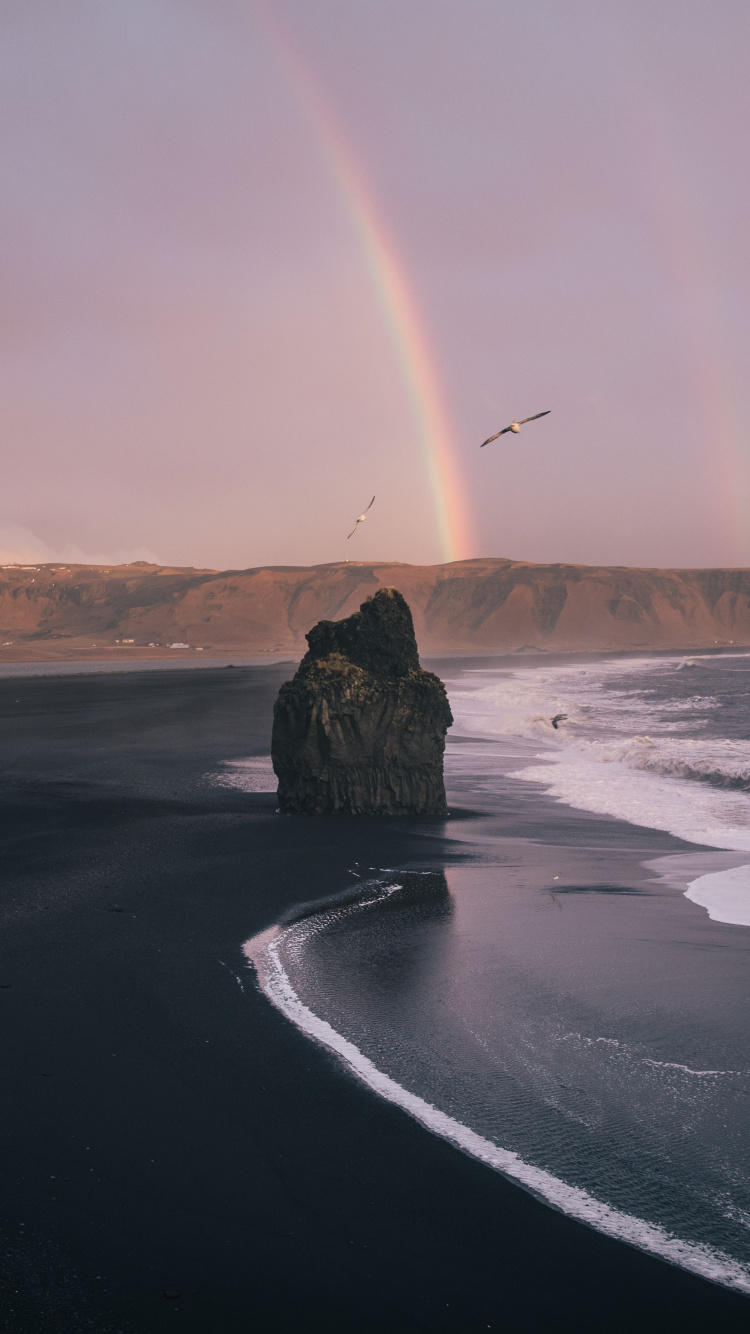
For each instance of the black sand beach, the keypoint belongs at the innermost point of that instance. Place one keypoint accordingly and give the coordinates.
(174, 1154)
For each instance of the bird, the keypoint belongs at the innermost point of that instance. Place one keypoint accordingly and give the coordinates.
(558, 718)
(515, 427)
(361, 518)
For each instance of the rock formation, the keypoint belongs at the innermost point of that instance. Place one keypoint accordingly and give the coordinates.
(361, 728)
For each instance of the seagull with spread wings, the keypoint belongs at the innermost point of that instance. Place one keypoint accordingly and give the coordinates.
(361, 518)
(515, 427)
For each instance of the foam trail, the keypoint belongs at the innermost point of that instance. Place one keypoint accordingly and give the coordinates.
(636, 745)
(253, 774)
(725, 895)
(262, 951)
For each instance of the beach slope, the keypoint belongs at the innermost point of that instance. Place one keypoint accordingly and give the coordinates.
(174, 1153)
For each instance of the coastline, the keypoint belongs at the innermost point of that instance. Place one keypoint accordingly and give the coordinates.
(263, 953)
(88, 657)
(209, 1148)
(98, 666)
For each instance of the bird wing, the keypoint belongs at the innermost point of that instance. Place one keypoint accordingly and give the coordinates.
(494, 437)
(534, 418)
(361, 517)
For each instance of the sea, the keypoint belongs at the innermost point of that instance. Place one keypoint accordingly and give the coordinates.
(566, 998)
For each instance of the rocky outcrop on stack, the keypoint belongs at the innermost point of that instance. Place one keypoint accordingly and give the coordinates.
(360, 730)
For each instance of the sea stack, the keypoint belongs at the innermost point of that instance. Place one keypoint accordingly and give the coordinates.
(360, 730)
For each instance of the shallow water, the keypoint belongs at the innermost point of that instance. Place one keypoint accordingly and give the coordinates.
(566, 1013)
(593, 1030)
(662, 742)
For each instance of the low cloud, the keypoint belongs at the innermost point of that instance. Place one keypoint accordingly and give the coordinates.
(20, 546)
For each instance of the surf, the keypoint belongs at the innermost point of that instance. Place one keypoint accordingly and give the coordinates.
(637, 743)
(263, 955)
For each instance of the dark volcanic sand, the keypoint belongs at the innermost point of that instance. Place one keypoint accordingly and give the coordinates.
(164, 1130)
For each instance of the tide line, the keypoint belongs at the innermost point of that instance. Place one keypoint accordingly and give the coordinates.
(262, 952)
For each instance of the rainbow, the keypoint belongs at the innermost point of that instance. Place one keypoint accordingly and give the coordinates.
(394, 296)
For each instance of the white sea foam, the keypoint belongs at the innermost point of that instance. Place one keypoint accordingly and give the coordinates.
(263, 952)
(627, 1051)
(623, 752)
(695, 814)
(687, 1070)
(254, 774)
(725, 895)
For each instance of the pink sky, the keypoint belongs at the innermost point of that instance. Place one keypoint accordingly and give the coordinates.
(194, 364)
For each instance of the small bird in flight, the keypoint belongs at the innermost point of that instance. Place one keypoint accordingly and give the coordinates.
(558, 718)
(361, 518)
(515, 426)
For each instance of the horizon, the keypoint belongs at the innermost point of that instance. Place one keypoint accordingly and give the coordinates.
(265, 261)
(109, 566)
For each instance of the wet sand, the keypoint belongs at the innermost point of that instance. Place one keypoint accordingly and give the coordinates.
(165, 1130)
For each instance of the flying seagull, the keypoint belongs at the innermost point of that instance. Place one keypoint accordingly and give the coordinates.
(361, 518)
(515, 427)
(558, 718)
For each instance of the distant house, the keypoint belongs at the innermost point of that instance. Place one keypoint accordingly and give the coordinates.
(179, 646)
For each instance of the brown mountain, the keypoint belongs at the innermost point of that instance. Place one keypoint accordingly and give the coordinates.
(56, 612)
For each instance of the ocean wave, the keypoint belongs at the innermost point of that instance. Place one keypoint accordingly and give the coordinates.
(719, 762)
(263, 954)
(693, 812)
(724, 894)
(622, 748)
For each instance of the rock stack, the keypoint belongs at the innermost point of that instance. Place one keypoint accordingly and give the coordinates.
(361, 728)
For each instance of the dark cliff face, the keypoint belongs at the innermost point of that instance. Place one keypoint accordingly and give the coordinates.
(361, 728)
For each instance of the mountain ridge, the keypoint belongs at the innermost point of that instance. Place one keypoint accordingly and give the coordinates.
(486, 604)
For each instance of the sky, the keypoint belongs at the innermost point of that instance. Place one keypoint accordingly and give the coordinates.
(262, 261)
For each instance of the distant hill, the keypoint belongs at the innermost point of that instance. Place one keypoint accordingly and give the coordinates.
(479, 606)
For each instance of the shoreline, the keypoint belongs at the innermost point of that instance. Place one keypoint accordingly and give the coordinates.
(189, 660)
(172, 1132)
(262, 953)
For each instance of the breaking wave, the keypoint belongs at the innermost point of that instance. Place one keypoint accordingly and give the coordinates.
(264, 952)
(635, 742)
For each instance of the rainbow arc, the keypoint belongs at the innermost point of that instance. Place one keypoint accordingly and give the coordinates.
(394, 296)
